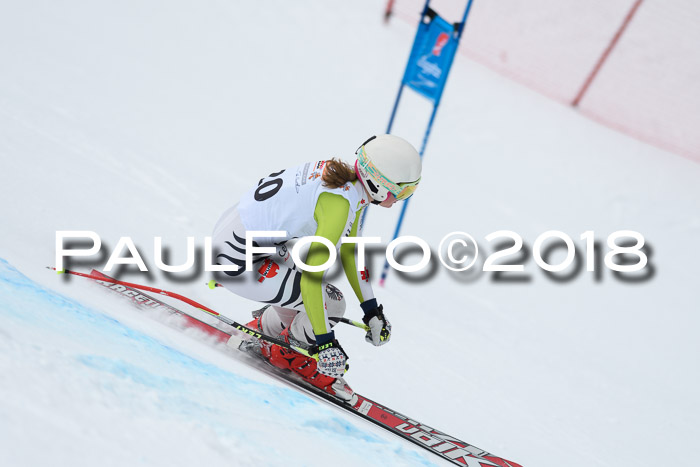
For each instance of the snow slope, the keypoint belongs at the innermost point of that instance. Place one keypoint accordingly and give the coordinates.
(94, 390)
(146, 120)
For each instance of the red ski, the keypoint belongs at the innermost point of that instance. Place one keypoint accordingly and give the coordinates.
(447, 447)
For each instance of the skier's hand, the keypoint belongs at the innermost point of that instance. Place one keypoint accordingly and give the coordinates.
(379, 327)
(332, 359)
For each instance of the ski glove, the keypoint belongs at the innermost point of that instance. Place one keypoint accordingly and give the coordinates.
(332, 359)
(379, 327)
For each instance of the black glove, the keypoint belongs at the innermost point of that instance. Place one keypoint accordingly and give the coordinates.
(379, 327)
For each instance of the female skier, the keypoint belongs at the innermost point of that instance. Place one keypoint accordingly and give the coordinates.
(323, 199)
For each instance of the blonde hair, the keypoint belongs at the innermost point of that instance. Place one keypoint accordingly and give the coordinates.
(338, 173)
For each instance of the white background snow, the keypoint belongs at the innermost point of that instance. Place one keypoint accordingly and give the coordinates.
(150, 119)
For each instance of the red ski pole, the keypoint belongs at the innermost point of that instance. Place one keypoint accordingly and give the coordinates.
(177, 296)
(199, 306)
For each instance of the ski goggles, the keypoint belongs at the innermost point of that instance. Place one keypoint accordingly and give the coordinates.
(400, 190)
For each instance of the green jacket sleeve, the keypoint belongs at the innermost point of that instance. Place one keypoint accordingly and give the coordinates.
(347, 256)
(331, 215)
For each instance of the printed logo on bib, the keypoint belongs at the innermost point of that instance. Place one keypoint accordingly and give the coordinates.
(268, 270)
(301, 176)
(283, 253)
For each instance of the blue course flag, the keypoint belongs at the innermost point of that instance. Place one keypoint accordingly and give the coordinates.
(428, 65)
(433, 49)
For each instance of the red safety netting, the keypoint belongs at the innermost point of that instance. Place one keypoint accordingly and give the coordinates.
(649, 85)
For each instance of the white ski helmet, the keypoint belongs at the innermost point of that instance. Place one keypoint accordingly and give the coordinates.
(388, 164)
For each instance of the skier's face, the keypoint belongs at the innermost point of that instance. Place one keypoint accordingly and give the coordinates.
(389, 201)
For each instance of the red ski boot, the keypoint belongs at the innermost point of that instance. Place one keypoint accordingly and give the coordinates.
(306, 368)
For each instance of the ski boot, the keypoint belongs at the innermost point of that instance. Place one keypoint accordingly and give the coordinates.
(306, 368)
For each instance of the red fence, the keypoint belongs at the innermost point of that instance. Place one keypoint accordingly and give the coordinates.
(648, 82)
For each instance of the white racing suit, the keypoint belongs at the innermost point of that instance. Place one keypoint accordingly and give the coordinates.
(294, 201)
